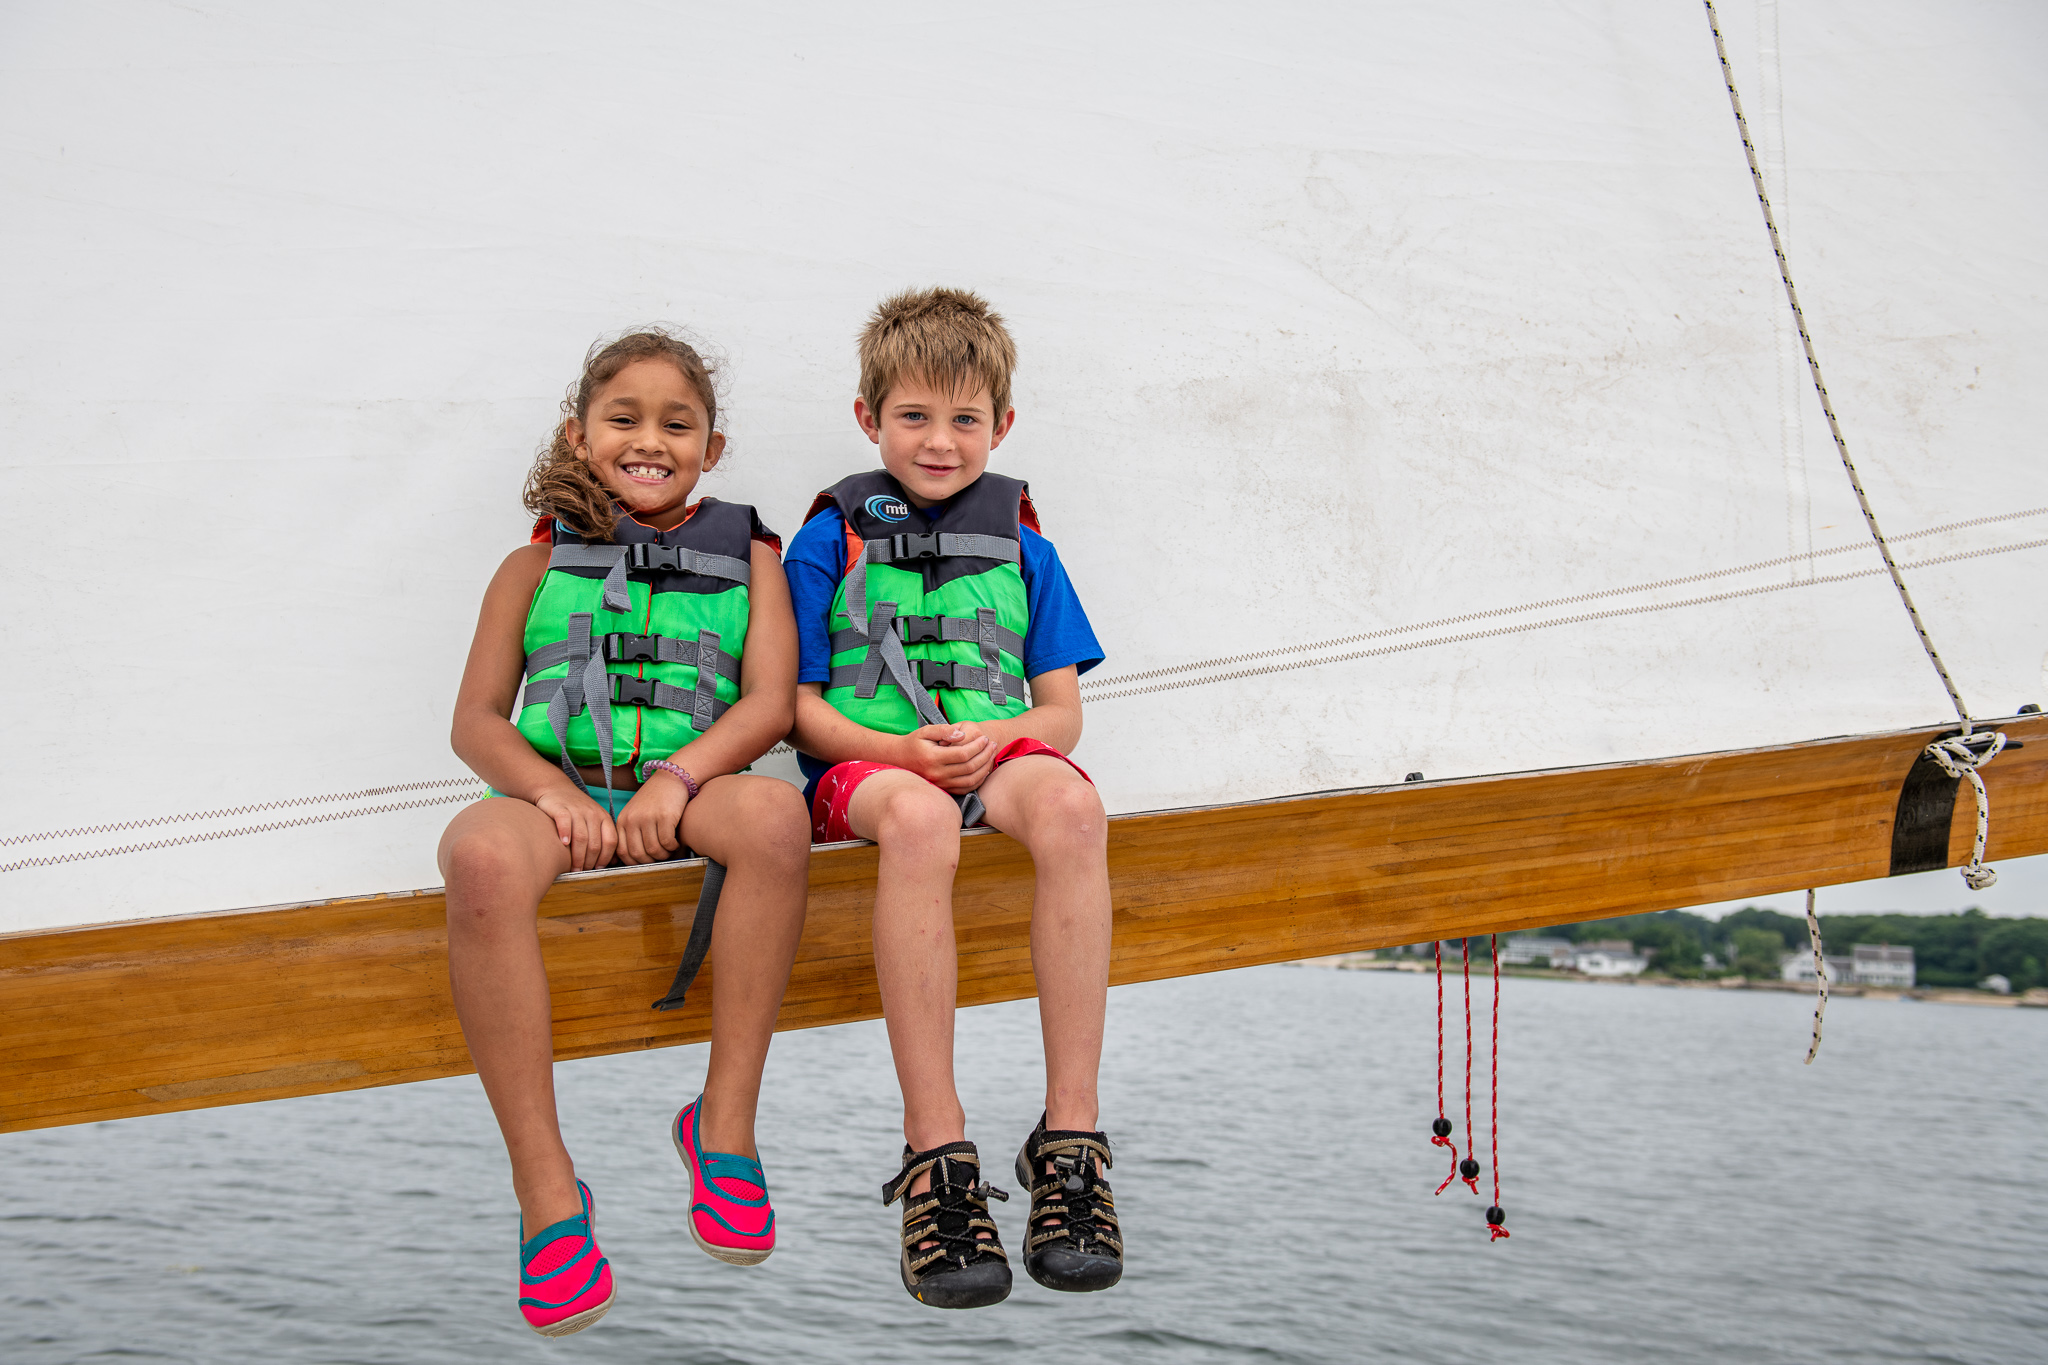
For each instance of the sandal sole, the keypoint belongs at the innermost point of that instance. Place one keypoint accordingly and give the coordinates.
(730, 1255)
(576, 1322)
(983, 1297)
(1031, 1268)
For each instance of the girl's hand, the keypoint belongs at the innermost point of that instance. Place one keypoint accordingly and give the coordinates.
(583, 827)
(650, 825)
(955, 758)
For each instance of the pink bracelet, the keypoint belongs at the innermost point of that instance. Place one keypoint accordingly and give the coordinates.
(668, 767)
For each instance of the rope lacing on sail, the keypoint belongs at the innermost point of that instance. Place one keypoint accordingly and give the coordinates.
(1956, 756)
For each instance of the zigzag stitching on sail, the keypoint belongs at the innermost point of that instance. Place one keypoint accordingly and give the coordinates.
(1544, 625)
(241, 810)
(211, 835)
(1125, 679)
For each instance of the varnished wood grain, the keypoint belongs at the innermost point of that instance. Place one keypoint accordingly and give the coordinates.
(159, 1015)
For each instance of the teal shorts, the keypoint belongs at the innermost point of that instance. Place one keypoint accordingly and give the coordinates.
(612, 799)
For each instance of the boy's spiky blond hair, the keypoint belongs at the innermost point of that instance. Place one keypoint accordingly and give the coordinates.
(947, 337)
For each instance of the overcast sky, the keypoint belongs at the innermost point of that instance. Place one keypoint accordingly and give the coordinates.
(2022, 890)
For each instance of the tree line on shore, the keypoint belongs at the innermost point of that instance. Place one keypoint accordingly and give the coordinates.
(1948, 950)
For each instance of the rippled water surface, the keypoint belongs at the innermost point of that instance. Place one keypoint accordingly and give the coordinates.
(1680, 1188)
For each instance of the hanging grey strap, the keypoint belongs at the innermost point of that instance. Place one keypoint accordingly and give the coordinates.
(597, 695)
(611, 558)
(564, 696)
(871, 665)
(634, 649)
(902, 673)
(892, 653)
(921, 630)
(706, 695)
(985, 626)
(700, 937)
(971, 809)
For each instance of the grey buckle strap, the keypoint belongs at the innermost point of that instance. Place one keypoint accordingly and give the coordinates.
(643, 557)
(1000, 686)
(608, 557)
(682, 559)
(924, 630)
(621, 690)
(944, 545)
(618, 689)
(637, 649)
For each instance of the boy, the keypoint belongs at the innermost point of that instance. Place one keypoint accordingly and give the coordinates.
(925, 598)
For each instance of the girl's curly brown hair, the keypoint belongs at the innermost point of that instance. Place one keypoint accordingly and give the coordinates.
(560, 484)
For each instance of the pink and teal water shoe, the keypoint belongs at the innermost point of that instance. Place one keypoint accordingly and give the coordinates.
(565, 1281)
(730, 1216)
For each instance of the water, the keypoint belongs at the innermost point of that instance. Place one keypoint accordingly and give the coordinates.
(1679, 1186)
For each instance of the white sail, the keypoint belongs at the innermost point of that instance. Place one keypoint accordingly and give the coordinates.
(1449, 334)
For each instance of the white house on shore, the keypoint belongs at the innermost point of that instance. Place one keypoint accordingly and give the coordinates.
(1868, 964)
(1608, 957)
(1524, 950)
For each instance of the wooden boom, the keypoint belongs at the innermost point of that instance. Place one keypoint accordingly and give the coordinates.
(156, 1015)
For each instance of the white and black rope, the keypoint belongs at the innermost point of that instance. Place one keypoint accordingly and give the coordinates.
(1960, 758)
(1976, 874)
(1827, 406)
(1820, 975)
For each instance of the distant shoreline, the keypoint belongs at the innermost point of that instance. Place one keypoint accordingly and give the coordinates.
(2035, 999)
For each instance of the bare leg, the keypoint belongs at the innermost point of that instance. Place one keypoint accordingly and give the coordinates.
(916, 963)
(499, 857)
(1053, 811)
(758, 828)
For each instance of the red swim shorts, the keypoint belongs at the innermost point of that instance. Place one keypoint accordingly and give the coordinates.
(841, 780)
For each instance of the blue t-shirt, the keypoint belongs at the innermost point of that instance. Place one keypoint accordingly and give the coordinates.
(1058, 634)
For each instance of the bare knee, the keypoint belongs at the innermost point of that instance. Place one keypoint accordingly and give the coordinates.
(491, 876)
(774, 825)
(920, 819)
(1068, 817)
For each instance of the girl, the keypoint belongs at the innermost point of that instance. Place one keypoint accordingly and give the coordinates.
(659, 654)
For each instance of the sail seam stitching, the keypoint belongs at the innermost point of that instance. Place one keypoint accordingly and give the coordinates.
(1526, 626)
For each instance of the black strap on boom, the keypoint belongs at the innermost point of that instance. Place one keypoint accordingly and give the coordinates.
(700, 937)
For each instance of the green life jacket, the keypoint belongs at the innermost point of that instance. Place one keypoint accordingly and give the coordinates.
(929, 620)
(633, 646)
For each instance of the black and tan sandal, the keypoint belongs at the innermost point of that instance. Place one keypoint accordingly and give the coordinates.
(1075, 1243)
(946, 1263)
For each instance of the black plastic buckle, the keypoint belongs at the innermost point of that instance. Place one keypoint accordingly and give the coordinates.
(632, 691)
(920, 630)
(646, 555)
(913, 546)
(931, 674)
(632, 649)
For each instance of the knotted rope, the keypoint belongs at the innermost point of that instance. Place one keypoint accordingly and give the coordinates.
(1959, 759)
